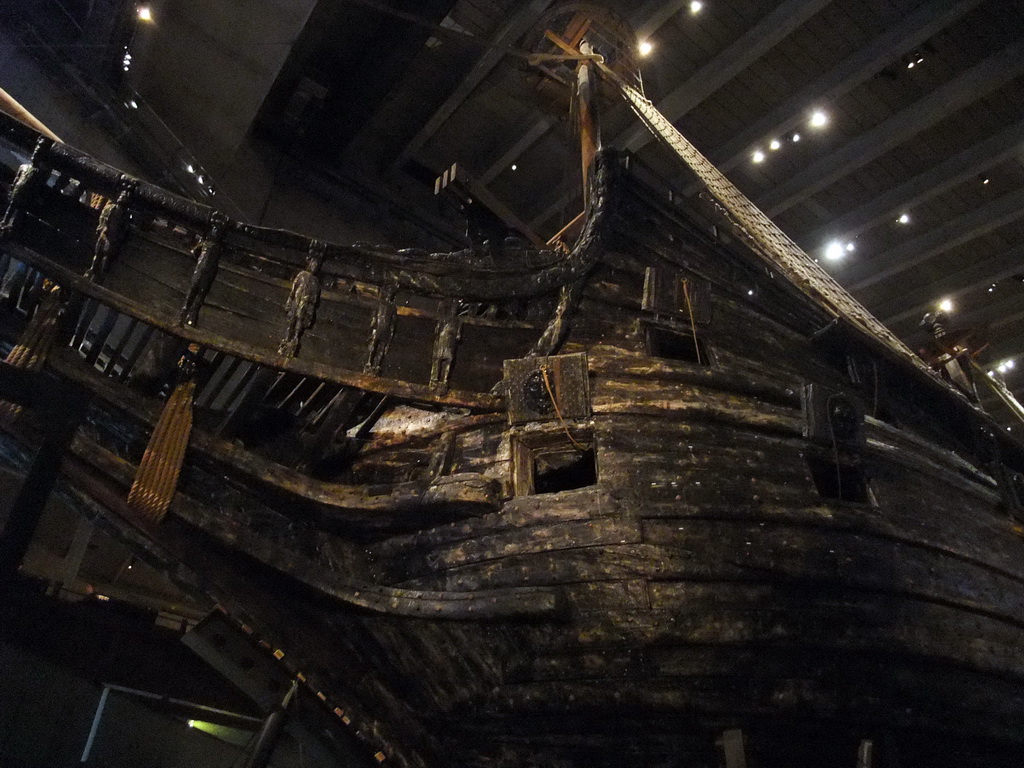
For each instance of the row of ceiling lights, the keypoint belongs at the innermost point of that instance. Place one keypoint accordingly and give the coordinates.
(836, 250)
(818, 119)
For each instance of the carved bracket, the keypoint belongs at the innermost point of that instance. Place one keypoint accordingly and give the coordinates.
(111, 229)
(303, 299)
(207, 252)
(27, 182)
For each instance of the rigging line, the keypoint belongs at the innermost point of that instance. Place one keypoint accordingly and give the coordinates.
(558, 412)
(693, 325)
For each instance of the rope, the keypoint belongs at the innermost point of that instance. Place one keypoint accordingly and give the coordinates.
(693, 324)
(558, 412)
(157, 477)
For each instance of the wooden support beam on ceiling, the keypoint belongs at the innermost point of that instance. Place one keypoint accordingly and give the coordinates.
(946, 175)
(910, 32)
(527, 140)
(748, 48)
(509, 33)
(949, 98)
(958, 231)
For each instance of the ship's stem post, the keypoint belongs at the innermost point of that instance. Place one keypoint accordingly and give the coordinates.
(590, 135)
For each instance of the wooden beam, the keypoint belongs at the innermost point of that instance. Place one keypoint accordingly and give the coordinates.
(651, 16)
(62, 408)
(713, 75)
(958, 93)
(958, 231)
(946, 175)
(513, 29)
(909, 33)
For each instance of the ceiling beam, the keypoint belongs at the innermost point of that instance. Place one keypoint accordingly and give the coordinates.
(945, 237)
(651, 16)
(526, 141)
(748, 48)
(946, 175)
(956, 284)
(512, 30)
(958, 93)
(743, 52)
(863, 63)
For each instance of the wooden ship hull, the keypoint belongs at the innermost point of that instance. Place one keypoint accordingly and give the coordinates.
(650, 501)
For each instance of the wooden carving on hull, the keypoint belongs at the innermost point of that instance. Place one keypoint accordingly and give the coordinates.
(697, 513)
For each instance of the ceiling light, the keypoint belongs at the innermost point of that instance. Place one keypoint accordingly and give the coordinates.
(819, 119)
(133, 104)
(834, 251)
(910, 65)
(1009, 364)
(750, 293)
(946, 305)
(985, 180)
(851, 247)
(514, 166)
(920, 59)
(796, 137)
(758, 156)
(904, 218)
(775, 144)
(695, 6)
(144, 13)
(645, 48)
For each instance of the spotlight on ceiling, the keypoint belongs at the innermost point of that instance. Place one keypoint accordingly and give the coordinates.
(515, 167)
(775, 144)
(645, 48)
(904, 218)
(796, 137)
(819, 119)
(758, 156)
(144, 12)
(834, 251)
(695, 6)
(946, 305)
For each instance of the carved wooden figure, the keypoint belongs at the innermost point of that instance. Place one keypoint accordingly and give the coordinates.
(207, 253)
(302, 300)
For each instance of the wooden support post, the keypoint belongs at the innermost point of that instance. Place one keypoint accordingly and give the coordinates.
(590, 135)
(383, 329)
(72, 562)
(63, 407)
(734, 749)
(865, 754)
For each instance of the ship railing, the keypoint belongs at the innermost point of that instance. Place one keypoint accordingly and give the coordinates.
(379, 320)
